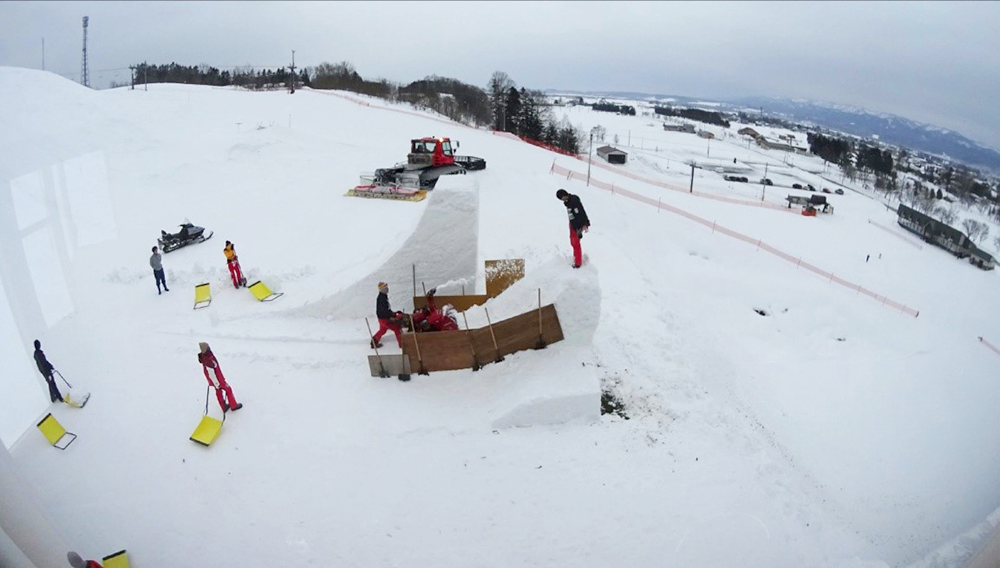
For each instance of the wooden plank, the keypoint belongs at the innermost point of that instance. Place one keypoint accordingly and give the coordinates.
(451, 350)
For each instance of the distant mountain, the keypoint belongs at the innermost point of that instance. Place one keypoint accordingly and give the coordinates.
(889, 128)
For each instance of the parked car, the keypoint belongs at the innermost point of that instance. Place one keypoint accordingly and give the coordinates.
(825, 190)
(736, 178)
(796, 186)
(810, 188)
(766, 181)
(839, 191)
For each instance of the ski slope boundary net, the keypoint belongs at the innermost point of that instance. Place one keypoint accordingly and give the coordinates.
(798, 262)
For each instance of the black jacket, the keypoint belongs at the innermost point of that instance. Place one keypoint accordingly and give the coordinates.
(382, 309)
(44, 367)
(577, 215)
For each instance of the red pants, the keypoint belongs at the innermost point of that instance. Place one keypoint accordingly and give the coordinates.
(234, 272)
(383, 326)
(574, 241)
(222, 386)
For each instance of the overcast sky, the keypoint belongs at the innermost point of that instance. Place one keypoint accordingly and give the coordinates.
(934, 62)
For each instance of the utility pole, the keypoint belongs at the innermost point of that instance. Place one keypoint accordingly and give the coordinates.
(691, 189)
(43, 54)
(84, 71)
(590, 157)
(145, 76)
(763, 185)
(131, 69)
(292, 91)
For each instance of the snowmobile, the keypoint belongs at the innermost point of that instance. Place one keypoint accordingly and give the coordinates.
(189, 234)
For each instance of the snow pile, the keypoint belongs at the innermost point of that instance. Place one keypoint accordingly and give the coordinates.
(774, 418)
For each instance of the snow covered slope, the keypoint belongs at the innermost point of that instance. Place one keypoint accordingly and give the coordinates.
(832, 431)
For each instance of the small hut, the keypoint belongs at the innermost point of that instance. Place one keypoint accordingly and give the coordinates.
(612, 155)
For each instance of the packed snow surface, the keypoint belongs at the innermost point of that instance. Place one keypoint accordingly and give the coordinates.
(775, 418)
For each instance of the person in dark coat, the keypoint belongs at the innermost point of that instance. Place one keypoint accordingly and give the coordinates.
(208, 361)
(579, 223)
(47, 371)
(156, 263)
(387, 319)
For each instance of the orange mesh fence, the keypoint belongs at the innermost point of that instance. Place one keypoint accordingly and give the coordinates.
(687, 190)
(716, 228)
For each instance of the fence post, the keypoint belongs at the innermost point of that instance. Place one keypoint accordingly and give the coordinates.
(713, 226)
(657, 204)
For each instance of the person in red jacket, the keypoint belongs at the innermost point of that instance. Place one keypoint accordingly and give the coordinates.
(387, 319)
(208, 361)
(76, 562)
(579, 223)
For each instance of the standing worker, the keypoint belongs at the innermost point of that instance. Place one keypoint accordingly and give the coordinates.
(46, 369)
(208, 361)
(156, 263)
(578, 223)
(387, 319)
(234, 265)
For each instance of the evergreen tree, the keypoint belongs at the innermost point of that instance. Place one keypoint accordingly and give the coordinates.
(512, 111)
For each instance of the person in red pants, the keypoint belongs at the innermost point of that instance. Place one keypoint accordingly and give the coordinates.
(77, 562)
(387, 319)
(579, 223)
(208, 361)
(234, 265)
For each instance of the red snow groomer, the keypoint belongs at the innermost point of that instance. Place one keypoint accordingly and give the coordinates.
(430, 318)
(429, 159)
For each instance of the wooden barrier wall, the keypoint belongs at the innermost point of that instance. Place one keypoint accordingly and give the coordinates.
(500, 275)
(451, 350)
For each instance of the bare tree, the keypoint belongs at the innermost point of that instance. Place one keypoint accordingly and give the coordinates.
(976, 230)
(946, 215)
(599, 133)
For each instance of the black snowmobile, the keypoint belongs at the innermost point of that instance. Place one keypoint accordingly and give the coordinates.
(189, 234)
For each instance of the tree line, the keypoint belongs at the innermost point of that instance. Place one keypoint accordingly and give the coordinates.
(697, 114)
(501, 106)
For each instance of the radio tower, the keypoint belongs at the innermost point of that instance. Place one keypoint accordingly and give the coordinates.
(84, 72)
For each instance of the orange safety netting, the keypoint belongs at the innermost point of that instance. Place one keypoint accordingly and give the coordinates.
(716, 228)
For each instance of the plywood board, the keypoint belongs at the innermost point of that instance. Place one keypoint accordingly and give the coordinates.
(451, 350)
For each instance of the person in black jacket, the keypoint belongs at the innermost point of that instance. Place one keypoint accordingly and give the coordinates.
(387, 319)
(579, 223)
(46, 369)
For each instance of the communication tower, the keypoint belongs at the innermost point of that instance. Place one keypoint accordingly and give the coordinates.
(84, 72)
